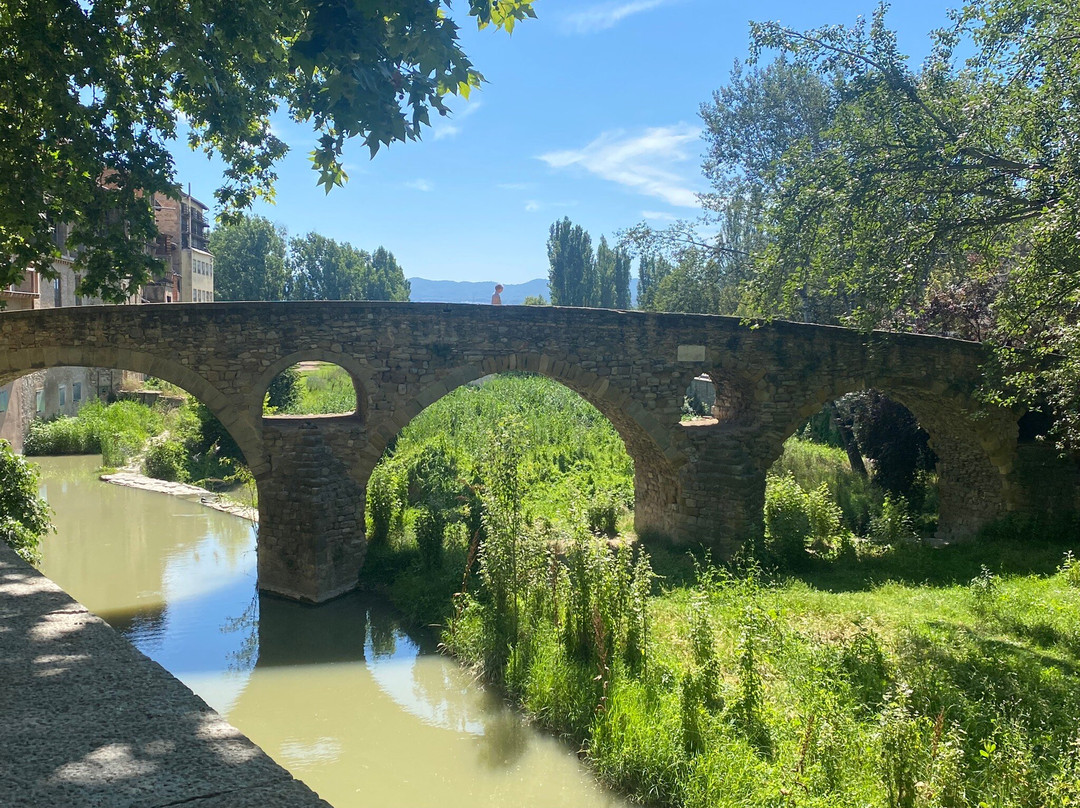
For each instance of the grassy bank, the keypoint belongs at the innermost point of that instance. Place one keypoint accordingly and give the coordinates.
(843, 662)
(115, 431)
(856, 682)
(183, 444)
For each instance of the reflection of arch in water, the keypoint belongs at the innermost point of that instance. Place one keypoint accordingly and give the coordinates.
(648, 443)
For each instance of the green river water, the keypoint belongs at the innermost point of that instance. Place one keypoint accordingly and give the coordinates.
(361, 709)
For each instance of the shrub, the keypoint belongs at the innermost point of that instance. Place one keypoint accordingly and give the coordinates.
(166, 460)
(787, 520)
(893, 524)
(283, 394)
(24, 516)
(1070, 568)
(383, 503)
(429, 527)
(603, 514)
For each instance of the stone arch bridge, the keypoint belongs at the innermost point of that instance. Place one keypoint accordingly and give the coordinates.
(696, 483)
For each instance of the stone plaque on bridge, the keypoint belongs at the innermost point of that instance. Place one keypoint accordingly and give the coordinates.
(691, 353)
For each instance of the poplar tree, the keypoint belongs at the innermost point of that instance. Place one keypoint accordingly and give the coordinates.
(572, 272)
(604, 294)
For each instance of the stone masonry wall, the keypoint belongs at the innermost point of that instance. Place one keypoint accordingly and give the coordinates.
(694, 483)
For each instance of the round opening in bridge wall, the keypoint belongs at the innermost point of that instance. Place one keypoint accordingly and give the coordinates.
(700, 403)
(857, 478)
(311, 388)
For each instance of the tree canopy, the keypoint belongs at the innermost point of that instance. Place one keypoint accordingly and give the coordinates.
(255, 260)
(579, 277)
(249, 260)
(849, 186)
(95, 92)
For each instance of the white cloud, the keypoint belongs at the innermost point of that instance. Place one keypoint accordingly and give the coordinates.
(451, 129)
(419, 185)
(657, 214)
(646, 162)
(607, 15)
(534, 205)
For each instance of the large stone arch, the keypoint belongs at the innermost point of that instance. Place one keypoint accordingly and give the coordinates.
(243, 430)
(975, 446)
(651, 445)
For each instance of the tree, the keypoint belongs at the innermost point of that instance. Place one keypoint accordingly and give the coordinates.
(761, 115)
(604, 292)
(94, 90)
(941, 178)
(572, 273)
(249, 260)
(622, 278)
(386, 279)
(323, 269)
(652, 269)
(24, 516)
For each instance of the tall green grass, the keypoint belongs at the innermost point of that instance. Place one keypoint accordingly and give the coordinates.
(425, 508)
(322, 390)
(116, 431)
(751, 690)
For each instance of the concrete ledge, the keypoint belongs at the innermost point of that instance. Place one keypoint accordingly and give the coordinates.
(87, 720)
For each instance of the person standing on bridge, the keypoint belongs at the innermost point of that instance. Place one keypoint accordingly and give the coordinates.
(496, 299)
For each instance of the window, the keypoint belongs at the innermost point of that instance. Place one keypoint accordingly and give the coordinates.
(63, 395)
(39, 402)
(4, 396)
(76, 392)
(57, 299)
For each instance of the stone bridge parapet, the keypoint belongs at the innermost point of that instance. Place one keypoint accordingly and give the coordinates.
(693, 483)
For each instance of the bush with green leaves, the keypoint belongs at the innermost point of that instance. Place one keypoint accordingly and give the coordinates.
(166, 460)
(24, 515)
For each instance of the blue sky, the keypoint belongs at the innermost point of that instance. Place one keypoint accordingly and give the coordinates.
(590, 111)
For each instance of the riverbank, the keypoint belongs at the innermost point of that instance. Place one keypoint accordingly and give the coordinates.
(91, 721)
(129, 478)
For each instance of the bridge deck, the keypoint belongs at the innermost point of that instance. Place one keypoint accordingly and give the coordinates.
(89, 721)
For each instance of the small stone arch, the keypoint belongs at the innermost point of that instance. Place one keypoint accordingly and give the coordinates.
(650, 444)
(248, 438)
(358, 372)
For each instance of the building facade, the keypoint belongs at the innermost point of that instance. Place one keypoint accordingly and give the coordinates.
(183, 243)
(188, 277)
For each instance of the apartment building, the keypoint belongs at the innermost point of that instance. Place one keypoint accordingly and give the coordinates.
(188, 277)
(183, 244)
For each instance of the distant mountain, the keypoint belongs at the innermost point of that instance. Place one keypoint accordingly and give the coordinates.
(425, 291)
(514, 294)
